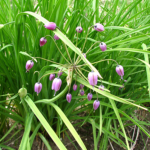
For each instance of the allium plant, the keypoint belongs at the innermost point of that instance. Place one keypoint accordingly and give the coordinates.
(109, 110)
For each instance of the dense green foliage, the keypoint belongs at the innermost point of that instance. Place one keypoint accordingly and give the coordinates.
(126, 34)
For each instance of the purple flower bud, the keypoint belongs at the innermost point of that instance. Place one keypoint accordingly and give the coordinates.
(120, 71)
(84, 55)
(96, 104)
(56, 37)
(89, 96)
(50, 26)
(42, 41)
(60, 73)
(103, 46)
(69, 97)
(92, 77)
(74, 87)
(101, 87)
(51, 77)
(79, 29)
(56, 84)
(81, 86)
(81, 92)
(29, 65)
(99, 27)
(38, 87)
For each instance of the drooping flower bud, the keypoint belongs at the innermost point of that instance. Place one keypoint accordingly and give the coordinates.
(69, 97)
(92, 77)
(74, 87)
(101, 87)
(120, 71)
(89, 96)
(96, 104)
(103, 46)
(81, 92)
(79, 29)
(29, 65)
(99, 27)
(51, 77)
(50, 26)
(81, 86)
(56, 84)
(60, 73)
(42, 41)
(56, 37)
(38, 87)
(84, 54)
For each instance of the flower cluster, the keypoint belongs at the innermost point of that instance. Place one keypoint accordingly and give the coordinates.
(92, 76)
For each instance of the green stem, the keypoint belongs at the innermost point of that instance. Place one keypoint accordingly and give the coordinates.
(67, 51)
(84, 42)
(58, 47)
(89, 50)
(76, 46)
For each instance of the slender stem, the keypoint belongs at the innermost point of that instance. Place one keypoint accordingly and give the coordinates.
(85, 70)
(76, 46)
(49, 60)
(105, 60)
(82, 74)
(84, 42)
(97, 95)
(36, 72)
(67, 52)
(89, 50)
(9, 23)
(86, 38)
(47, 74)
(58, 48)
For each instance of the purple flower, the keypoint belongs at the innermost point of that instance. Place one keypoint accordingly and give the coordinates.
(101, 87)
(42, 41)
(38, 87)
(60, 73)
(56, 37)
(89, 96)
(81, 86)
(69, 97)
(103, 46)
(74, 87)
(99, 27)
(92, 77)
(29, 65)
(51, 77)
(96, 104)
(120, 71)
(50, 26)
(81, 92)
(79, 29)
(56, 84)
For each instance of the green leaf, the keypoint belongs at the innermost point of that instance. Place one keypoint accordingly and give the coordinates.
(69, 125)
(45, 124)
